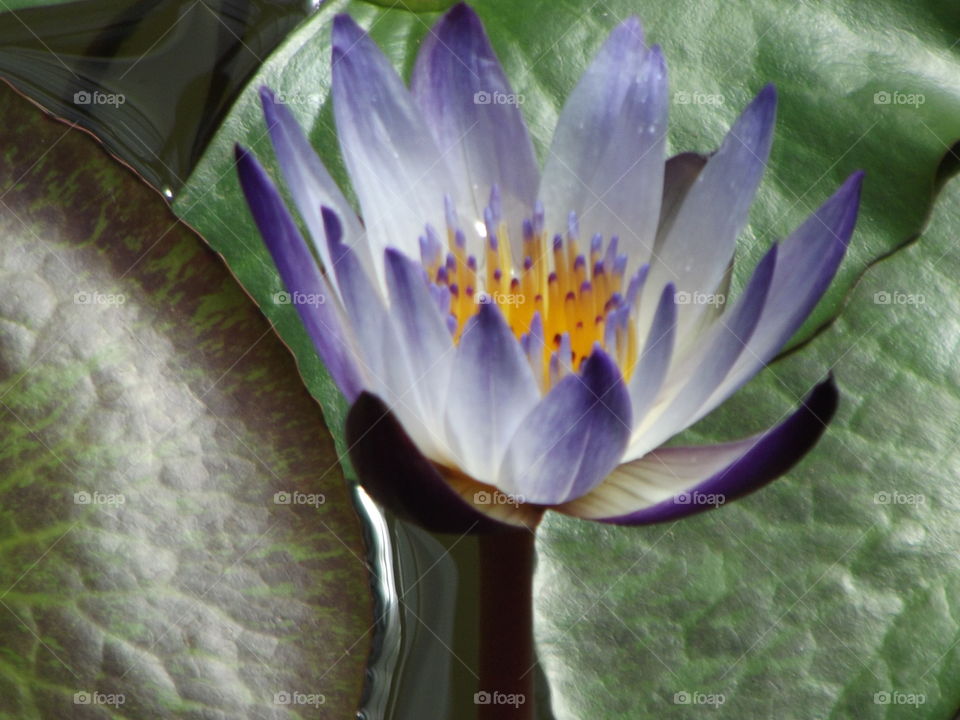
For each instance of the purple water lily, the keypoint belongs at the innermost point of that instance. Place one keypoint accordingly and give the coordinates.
(512, 340)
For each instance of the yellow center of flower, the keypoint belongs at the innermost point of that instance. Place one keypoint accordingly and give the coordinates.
(558, 301)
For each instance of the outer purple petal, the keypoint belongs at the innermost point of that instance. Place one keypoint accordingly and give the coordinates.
(399, 176)
(573, 438)
(671, 483)
(300, 275)
(475, 118)
(806, 264)
(308, 180)
(392, 365)
(700, 373)
(606, 160)
(653, 364)
(492, 390)
(697, 249)
(399, 477)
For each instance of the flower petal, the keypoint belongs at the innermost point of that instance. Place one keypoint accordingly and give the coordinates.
(673, 482)
(568, 443)
(300, 275)
(397, 172)
(309, 182)
(806, 263)
(422, 330)
(696, 375)
(393, 367)
(475, 119)
(397, 475)
(653, 364)
(606, 160)
(700, 243)
(492, 390)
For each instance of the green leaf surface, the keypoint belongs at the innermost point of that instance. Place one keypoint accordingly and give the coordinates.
(835, 584)
(149, 415)
(807, 599)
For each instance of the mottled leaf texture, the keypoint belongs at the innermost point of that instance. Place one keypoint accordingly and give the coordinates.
(835, 592)
(149, 417)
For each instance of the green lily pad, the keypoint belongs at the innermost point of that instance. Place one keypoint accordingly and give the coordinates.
(833, 593)
(150, 418)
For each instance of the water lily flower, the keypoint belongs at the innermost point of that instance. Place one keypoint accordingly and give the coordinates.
(512, 340)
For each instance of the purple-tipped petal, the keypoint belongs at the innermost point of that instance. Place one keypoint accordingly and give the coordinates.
(806, 263)
(673, 482)
(397, 475)
(475, 118)
(397, 172)
(700, 243)
(492, 390)
(422, 330)
(695, 377)
(653, 364)
(301, 276)
(308, 180)
(606, 159)
(393, 367)
(570, 441)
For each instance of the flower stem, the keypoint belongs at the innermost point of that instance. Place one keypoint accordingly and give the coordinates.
(507, 656)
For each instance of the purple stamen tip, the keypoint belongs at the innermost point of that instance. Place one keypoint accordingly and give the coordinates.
(449, 211)
(573, 226)
(527, 230)
(557, 243)
(579, 262)
(538, 216)
(527, 262)
(495, 203)
(460, 239)
(596, 243)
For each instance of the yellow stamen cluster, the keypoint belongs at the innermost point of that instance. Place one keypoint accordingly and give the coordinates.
(557, 298)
